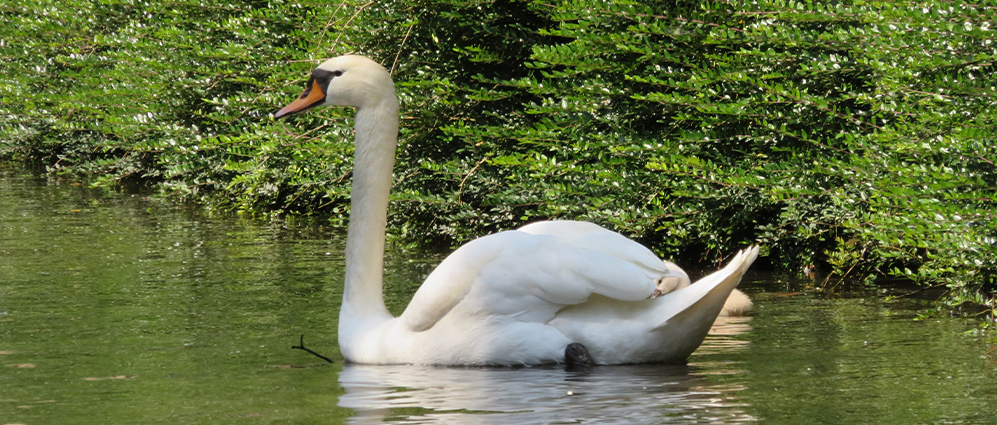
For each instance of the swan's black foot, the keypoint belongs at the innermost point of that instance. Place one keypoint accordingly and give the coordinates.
(576, 356)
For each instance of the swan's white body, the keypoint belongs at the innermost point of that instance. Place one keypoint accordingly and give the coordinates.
(512, 298)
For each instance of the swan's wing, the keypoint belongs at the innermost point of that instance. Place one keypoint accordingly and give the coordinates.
(450, 282)
(529, 276)
(587, 235)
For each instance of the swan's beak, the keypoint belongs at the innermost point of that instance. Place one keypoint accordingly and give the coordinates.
(312, 97)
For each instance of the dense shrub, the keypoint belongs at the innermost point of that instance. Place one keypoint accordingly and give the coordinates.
(855, 135)
(858, 136)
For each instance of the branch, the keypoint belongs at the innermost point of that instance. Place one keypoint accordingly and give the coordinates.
(302, 347)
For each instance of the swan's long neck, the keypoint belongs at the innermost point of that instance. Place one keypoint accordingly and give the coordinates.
(376, 139)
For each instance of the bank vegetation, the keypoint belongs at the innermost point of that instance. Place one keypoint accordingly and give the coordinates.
(858, 136)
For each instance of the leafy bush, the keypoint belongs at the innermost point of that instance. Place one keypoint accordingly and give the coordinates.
(855, 135)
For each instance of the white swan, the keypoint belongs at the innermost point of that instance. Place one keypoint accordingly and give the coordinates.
(513, 298)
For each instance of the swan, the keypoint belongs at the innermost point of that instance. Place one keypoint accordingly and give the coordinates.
(518, 297)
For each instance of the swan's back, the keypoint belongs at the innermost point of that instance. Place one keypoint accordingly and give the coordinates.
(525, 276)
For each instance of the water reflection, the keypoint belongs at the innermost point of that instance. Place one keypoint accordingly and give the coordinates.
(723, 336)
(632, 394)
(614, 394)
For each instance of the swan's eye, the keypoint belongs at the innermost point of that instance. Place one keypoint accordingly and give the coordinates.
(337, 73)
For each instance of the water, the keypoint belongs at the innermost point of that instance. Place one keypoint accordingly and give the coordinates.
(116, 310)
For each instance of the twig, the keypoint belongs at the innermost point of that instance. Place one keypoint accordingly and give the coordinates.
(351, 19)
(849, 271)
(991, 350)
(402, 47)
(464, 180)
(302, 347)
(920, 290)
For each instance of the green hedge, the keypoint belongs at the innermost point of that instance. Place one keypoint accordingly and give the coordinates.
(856, 135)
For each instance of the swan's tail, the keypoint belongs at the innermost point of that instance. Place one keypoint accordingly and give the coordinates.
(664, 329)
(687, 314)
(703, 300)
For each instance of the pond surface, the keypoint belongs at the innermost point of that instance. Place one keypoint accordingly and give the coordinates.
(114, 310)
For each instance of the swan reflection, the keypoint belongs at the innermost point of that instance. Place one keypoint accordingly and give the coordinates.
(612, 394)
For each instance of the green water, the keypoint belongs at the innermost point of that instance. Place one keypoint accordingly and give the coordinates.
(113, 311)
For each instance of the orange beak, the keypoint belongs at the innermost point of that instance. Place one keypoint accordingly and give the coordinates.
(310, 98)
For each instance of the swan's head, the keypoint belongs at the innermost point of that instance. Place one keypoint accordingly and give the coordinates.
(344, 81)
